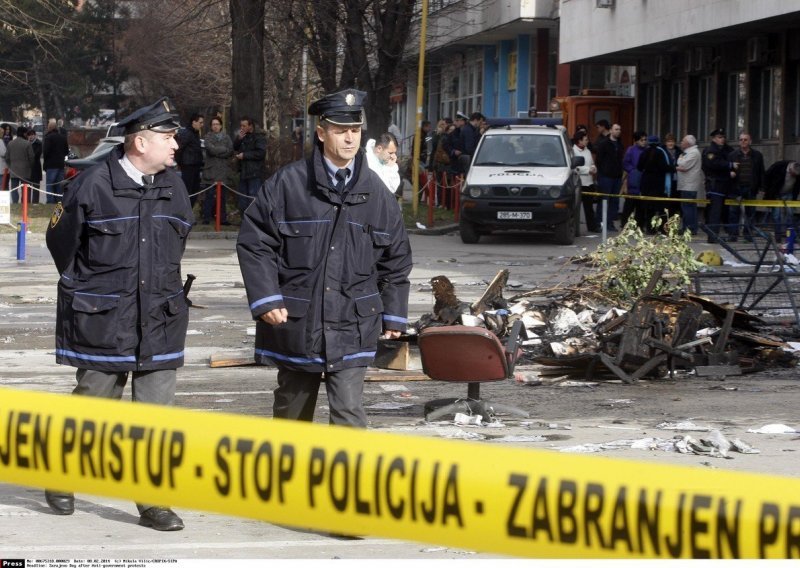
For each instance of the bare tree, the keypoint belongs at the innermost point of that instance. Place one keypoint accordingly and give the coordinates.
(357, 43)
(29, 33)
(247, 70)
(182, 50)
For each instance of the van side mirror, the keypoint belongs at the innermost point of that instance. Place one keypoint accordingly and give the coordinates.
(577, 161)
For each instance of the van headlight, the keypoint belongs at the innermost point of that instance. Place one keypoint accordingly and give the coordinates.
(474, 191)
(555, 191)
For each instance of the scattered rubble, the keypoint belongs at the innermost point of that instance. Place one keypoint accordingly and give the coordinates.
(714, 445)
(572, 335)
(774, 429)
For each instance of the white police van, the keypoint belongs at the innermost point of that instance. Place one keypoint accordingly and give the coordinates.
(522, 178)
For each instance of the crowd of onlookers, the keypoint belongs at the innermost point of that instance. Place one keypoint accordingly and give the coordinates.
(447, 151)
(654, 168)
(24, 158)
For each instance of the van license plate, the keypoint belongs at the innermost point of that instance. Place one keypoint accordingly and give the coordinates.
(524, 215)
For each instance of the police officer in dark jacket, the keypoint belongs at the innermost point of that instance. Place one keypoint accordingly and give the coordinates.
(325, 259)
(117, 240)
(719, 170)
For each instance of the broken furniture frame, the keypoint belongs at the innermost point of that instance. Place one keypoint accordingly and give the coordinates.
(472, 355)
(769, 278)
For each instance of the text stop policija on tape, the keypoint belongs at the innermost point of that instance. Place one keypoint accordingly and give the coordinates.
(514, 501)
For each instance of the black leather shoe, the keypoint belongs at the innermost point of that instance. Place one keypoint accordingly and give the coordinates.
(60, 503)
(161, 519)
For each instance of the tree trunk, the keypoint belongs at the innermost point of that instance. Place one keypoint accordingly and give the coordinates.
(58, 103)
(39, 88)
(247, 66)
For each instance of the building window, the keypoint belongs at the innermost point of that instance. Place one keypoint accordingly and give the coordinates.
(703, 103)
(436, 5)
(736, 103)
(769, 97)
(675, 109)
(650, 96)
(463, 86)
(796, 92)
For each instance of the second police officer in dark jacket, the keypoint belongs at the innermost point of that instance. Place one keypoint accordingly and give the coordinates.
(719, 171)
(117, 241)
(325, 259)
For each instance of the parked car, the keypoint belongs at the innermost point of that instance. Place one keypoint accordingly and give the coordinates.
(522, 178)
(76, 165)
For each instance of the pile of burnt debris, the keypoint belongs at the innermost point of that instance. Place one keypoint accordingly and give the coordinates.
(567, 334)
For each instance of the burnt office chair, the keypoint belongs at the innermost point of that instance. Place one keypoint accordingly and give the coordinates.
(472, 355)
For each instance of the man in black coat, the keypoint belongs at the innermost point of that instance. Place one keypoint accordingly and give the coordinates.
(469, 135)
(190, 155)
(325, 259)
(250, 147)
(117, 241)
(54, 153)
(610, 153)
(782, 182)
(748, 165)
(720, 172)
(36, 166)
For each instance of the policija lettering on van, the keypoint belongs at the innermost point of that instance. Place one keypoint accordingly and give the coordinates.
(643, 522)
(92, 449)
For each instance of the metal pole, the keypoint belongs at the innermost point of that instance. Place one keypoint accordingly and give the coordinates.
(604, 219)
(21, 231)
(423, 30)
(218, 206)
(25, 203)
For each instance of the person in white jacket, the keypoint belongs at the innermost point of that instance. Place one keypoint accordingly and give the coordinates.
(691, 182)
(587, 172)
(382, 159)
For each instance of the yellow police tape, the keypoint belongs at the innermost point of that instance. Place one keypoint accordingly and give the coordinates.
(521, 502)
(743, 202)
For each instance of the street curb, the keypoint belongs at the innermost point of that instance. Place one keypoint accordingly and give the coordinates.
(443, 230)
(232, 235)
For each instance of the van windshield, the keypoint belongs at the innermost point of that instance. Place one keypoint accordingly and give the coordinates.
(527, 150)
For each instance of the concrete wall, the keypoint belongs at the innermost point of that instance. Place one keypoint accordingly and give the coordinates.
(588, 31)
(471, 17)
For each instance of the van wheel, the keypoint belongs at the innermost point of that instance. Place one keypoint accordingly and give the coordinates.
(565, 232)
(469, 232)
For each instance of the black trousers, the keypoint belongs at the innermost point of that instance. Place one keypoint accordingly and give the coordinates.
(296, 396)
(190, 175)
(155, 387)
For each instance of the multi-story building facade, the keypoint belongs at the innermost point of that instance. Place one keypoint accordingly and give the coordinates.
(499, 57)
(701, 64)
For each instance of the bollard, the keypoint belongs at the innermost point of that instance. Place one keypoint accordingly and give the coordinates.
(604, 220)
(457, 198)
(431, 198)
(25, 203)
(218, 197)
(791, 234)
(21, 231)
